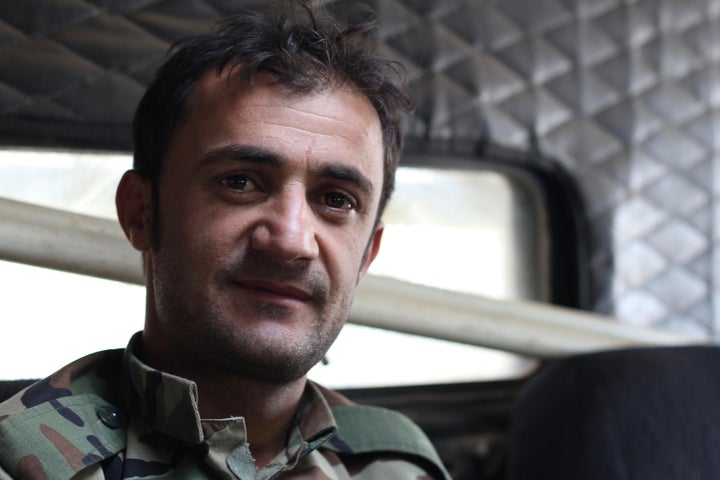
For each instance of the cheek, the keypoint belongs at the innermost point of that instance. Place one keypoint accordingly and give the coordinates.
(345, 259)
(214, 235)
(193, 230)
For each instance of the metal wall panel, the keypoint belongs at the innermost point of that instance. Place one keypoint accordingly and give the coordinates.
(624, 93)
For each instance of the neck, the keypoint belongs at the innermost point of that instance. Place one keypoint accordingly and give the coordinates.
(268, 407)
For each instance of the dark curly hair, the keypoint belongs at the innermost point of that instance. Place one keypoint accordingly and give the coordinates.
(302, 48)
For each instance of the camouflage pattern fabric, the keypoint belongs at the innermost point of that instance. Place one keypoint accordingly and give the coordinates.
(109, 416)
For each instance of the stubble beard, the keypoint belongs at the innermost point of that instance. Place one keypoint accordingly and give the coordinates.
(236, 353)
(206, 332)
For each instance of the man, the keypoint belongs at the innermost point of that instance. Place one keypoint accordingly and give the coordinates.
(264, 156)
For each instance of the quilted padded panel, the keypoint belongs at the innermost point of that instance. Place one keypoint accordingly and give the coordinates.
(625, 94)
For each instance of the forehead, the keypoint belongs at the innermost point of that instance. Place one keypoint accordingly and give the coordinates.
(335, 124)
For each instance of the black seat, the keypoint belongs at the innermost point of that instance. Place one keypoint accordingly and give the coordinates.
(630, 414)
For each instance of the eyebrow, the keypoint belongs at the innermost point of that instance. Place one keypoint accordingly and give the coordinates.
(346, 173)
(244, 153)
(253, 154)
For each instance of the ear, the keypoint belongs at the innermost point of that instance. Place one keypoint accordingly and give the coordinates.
(134, 209)
(372, 249)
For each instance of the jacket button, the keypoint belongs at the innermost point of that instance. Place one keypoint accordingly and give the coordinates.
(110, 417)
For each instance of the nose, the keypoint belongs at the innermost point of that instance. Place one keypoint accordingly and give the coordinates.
(286, 229)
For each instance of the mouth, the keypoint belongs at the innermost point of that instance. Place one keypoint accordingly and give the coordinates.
(273, 292)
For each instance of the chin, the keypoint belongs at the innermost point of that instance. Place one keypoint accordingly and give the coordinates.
(260, 359)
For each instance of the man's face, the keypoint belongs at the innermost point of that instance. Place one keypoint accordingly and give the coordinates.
(267, 202)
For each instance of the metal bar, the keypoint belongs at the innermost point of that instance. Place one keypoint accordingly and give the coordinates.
(92, 246)
(67, 241)
(527, 328)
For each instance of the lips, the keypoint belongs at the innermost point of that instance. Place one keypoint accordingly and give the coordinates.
(275, 291)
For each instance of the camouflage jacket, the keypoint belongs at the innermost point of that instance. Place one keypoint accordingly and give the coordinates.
(109, 416)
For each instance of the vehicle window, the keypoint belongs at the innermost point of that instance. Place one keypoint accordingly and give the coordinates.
(462, 229)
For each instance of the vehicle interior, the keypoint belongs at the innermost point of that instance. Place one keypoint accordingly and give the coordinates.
(544, 305)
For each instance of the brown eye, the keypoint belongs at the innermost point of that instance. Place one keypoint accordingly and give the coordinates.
(339, 201)
(239, 182)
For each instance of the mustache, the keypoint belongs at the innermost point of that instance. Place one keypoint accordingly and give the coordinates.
(258, 266)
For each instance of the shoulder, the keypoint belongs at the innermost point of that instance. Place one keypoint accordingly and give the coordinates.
(379, 435)
(64, 423)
